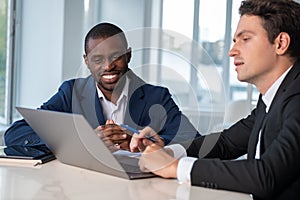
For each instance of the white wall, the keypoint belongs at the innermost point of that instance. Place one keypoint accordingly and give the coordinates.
(130, 16)
(40, 50)
(73, 40)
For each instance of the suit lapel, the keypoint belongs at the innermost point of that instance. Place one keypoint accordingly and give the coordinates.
(89, 104)
(279, 97)
(136, 103)
(261, 122)
(99, 111)
(290, 77)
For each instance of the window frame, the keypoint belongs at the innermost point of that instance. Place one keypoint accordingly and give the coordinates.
(9, 76)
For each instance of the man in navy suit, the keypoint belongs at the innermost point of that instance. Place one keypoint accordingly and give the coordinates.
(111, 95)
(266, 53)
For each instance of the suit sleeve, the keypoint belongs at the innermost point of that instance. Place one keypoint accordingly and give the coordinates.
(229, 144)
(20, 133)
(278, 168)
(175, 126)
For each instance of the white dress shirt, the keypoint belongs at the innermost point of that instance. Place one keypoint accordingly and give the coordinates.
(116, 111)
(185, 164)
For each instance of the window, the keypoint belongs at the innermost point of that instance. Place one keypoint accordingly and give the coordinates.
(6, 44)
(3, 56)
(177, 37)
(195, 62)
(192, 62)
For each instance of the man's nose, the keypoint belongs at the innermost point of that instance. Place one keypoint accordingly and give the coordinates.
(108, 63)
(233, 51)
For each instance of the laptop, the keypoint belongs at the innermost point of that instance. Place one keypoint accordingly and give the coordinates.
(73, 141)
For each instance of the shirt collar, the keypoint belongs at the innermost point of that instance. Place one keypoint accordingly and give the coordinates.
(269, 95)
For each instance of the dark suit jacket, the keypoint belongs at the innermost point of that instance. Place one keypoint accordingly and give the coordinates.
(148, 105)
(277, 174)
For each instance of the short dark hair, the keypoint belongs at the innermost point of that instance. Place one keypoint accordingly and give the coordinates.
(104, 30)
(278, 16)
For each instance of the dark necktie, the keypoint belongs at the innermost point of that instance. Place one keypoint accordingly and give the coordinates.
(260, 115)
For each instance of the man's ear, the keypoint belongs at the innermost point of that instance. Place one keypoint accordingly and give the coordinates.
(282, 43)
(128, 55)
(86, 61)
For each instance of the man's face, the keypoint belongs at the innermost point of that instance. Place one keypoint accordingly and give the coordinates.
(107, 60)
(254, 56)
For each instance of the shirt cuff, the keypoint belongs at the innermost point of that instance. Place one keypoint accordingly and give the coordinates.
(178, 150)
(184, 169)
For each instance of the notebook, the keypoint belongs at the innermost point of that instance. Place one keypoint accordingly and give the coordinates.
(73, 141)
(18, 155)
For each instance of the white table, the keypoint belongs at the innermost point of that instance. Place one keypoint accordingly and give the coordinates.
(55, 180)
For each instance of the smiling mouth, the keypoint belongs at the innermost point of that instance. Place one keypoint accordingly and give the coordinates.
(109, 76)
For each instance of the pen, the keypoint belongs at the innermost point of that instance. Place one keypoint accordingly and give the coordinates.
(133, 130)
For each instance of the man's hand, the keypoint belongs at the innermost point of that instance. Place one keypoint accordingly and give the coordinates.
(139, 141)
(114, 136)
(157, 160)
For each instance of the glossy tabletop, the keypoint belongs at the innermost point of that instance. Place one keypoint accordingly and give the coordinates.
(55, 180)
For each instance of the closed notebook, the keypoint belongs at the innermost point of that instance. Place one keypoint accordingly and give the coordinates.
(18, 155)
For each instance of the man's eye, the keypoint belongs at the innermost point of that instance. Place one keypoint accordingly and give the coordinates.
(246, 38)
(99, 60)
(115, 57)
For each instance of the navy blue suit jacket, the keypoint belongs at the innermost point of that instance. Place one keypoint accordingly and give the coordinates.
(148, 105)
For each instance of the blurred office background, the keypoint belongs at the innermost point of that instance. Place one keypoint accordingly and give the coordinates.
(180, 44)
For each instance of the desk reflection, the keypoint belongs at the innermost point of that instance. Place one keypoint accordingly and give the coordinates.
(58, 181)
(157, 188)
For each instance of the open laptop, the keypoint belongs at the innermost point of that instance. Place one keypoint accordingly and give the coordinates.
(73, 141)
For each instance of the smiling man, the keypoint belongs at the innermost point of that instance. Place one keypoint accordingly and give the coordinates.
(111, 95)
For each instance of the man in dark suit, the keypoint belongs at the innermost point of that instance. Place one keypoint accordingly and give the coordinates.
(266, 53)
(111, 95)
